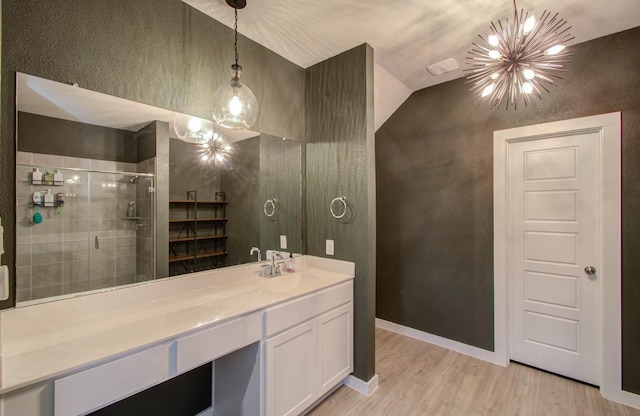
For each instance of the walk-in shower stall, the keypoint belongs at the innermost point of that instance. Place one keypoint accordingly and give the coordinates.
(82, 224)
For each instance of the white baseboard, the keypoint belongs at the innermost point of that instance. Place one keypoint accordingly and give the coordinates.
(363, 387)
(456, 346)
(206, 412)
(624, 397)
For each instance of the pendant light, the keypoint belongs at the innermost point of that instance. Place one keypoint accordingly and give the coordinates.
(520, 59)
(234, 104)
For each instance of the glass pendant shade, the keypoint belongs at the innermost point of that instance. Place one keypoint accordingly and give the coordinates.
(192, 129)
(234, 104)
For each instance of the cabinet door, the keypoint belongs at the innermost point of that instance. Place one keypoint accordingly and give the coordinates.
(335, 347)
(291, 370)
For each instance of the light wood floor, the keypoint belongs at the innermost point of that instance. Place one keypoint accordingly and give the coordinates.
(417, 378)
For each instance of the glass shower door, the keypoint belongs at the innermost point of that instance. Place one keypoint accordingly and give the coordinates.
(121, 229)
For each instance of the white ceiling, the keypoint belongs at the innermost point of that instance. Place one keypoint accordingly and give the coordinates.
(406, 35)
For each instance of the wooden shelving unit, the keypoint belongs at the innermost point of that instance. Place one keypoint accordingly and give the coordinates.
(197, 233)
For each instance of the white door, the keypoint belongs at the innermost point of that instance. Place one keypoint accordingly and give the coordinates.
(553, 188)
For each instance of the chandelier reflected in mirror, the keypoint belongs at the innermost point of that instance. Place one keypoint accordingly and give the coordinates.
(518, 59)
(215, 148)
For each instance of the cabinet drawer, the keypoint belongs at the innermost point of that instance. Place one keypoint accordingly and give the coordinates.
(99, 386)
(209, 344)
(284, 316)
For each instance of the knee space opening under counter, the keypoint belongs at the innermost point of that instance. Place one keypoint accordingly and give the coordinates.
(157, 330)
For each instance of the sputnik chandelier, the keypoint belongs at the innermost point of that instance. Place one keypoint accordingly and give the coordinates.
(519, 60)
(216, 150)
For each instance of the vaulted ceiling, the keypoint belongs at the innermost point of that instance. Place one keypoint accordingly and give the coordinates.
(406, 35)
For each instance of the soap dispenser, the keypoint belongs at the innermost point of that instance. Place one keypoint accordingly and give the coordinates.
(291, 263)
(36, 177)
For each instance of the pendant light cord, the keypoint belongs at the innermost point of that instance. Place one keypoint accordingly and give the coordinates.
(235, 29)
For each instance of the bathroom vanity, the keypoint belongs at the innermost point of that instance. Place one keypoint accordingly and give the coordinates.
(277, 344)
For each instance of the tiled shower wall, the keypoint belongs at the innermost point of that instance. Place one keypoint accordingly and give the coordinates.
(59, 256)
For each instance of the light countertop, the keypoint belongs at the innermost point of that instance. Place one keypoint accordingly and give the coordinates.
(44, 341)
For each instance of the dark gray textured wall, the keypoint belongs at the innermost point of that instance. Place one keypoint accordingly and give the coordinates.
(53, 136)
(241, 183)
(188, 172)
(435, 196)
(145, 139)
(158, 52)
(339, 160)
(280, 178)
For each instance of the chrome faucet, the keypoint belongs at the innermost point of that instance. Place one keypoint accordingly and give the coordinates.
(256, 250)
(274, 254)
(275, 267)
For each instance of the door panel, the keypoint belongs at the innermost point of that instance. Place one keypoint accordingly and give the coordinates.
(553, 222)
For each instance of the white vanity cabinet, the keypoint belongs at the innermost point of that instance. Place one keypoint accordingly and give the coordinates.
(277, 345)
(100, 385)
(308, 349)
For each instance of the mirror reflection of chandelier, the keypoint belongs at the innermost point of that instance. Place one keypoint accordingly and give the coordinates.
(519, 59)
(215, 148)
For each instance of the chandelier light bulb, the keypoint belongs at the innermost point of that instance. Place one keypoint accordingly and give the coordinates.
(494, 54)
(529, 24)
(554, 50)
(520, 58)
(488, 90)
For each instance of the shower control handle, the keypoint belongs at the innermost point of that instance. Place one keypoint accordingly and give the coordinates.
(97, 243)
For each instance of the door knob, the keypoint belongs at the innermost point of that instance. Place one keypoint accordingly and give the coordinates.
(590, 270)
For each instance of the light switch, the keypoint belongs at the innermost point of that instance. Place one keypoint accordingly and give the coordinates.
(283, 241)
(4, 282)
(330, 247)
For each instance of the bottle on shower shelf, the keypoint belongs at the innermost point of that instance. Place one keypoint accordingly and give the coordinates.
(131, 209)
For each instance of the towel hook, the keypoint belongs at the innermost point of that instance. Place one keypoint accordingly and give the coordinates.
(270, 207)
(341, 199)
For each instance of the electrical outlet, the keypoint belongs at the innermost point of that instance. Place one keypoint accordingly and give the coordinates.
(283, 241)
(330, 247)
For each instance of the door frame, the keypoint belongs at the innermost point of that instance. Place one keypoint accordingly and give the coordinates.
(608, 126)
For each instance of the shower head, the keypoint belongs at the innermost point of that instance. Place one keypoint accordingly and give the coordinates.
(130, 179)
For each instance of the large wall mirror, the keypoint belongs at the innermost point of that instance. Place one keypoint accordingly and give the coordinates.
(109, 195)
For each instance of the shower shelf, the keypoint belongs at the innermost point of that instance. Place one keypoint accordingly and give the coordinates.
(48, 183)
(200, 237)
